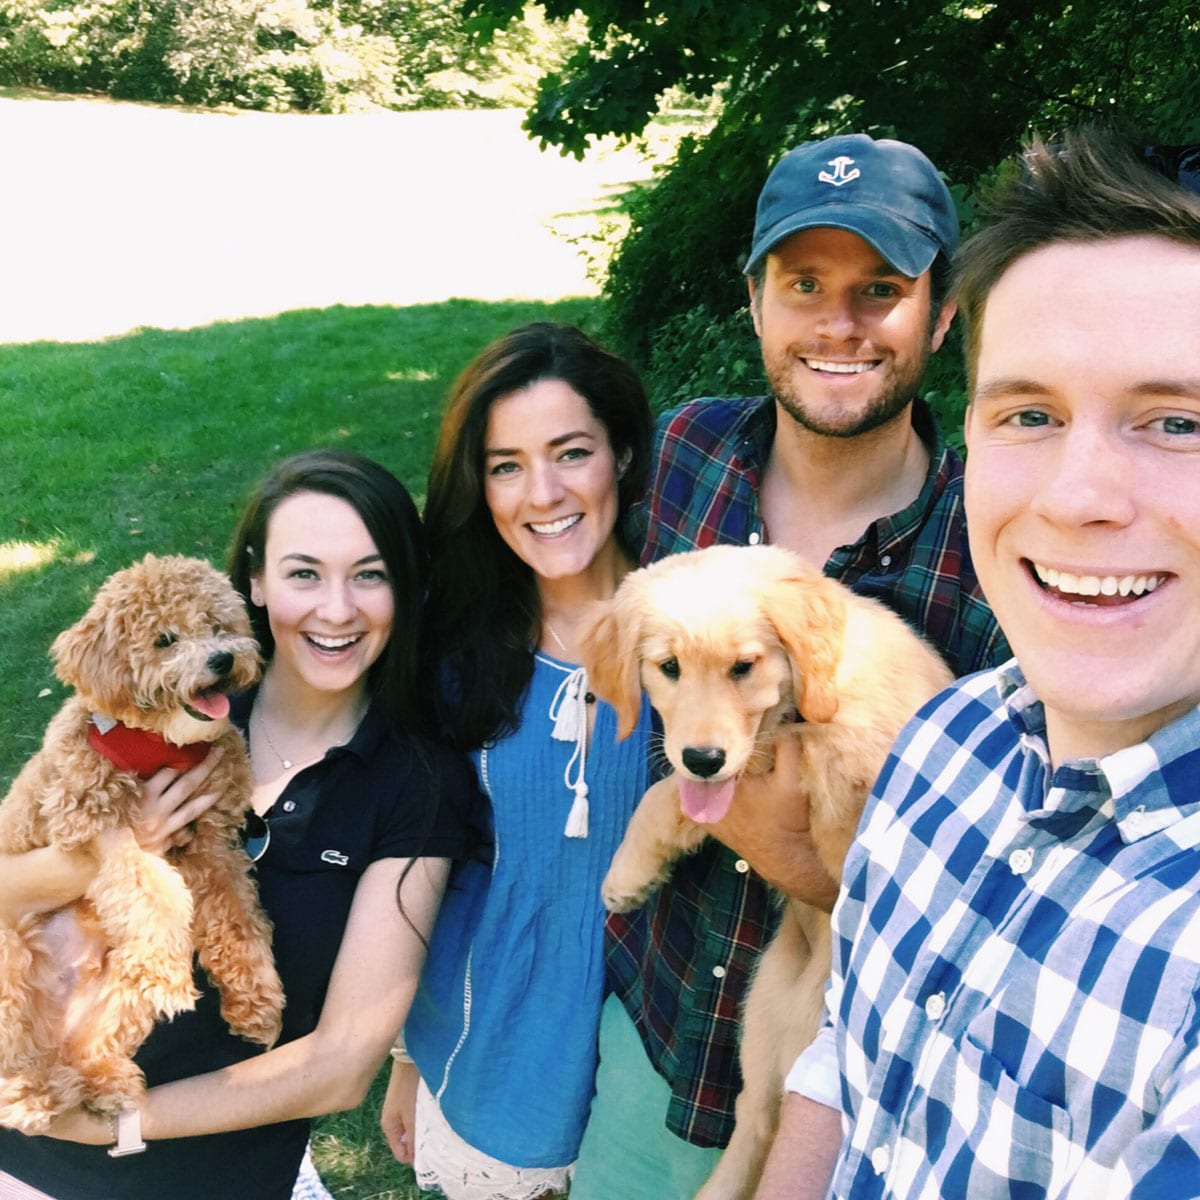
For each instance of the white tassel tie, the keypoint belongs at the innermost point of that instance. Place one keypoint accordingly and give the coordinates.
(568, 711)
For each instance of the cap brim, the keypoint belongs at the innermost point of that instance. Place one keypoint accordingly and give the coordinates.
(906, 247)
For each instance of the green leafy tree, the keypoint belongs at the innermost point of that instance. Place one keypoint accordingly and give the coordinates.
(962, 79)
(323, 55)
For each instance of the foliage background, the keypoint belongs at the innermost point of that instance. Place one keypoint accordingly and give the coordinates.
(964, 80)
(309, 55)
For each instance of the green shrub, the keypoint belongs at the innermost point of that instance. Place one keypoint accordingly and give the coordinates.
(698, 354)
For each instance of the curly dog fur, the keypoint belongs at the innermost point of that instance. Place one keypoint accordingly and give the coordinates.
(80, 989)
(737, 646)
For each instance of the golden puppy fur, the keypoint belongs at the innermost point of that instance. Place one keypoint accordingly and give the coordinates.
(730, 643)
(80, 989)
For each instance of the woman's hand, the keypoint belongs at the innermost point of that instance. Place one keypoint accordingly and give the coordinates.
(171, 801)
(768, 826)
(398, 1117)
(42, 880)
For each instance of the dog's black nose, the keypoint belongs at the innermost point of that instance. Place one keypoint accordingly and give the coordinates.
(703, 761)
(220, 662)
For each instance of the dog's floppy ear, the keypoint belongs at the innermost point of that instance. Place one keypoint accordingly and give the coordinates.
(810, 617)
(609, 650)
(82, 654)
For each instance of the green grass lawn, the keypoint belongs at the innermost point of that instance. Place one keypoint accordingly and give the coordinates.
(151, 442)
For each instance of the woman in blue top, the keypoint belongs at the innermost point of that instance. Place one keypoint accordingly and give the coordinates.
(543, 448)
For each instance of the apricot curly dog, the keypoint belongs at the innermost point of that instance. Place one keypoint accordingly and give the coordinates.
(151, 663)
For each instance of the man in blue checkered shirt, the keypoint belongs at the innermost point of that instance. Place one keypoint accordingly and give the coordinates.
(1013, 1008)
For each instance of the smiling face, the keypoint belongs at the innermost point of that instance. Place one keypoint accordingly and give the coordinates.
(1083, 483)
(550, 479)
(845, 337)
(327, 593)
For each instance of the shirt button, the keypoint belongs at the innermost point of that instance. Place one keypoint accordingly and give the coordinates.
(289, 805)
(754, 538)
(885, 560)
(935, 1005)
(880, 1157)
(1020, 861)
(718, 972)
(741, 866)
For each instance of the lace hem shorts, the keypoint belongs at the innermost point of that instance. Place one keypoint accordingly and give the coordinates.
(445, 1161)
(309, 1185)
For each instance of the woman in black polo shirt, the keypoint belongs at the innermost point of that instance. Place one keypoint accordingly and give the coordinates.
(360, 817)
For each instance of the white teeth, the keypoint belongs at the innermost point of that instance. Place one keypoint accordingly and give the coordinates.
(327, 643)
(839, 368)
(555, 526)
(1096, 585)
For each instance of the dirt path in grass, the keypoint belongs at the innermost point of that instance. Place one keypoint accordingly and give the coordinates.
(120, 215)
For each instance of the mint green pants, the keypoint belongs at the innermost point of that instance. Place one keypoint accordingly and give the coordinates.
(628, 1153)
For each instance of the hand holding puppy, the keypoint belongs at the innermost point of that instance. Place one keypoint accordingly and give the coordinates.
(768, 826)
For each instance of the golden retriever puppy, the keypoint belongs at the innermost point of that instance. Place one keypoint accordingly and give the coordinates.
(737, 646)
(151, 663)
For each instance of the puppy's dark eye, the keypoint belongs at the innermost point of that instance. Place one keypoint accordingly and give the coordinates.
(670, 668)
(741, 668)
(164, 640)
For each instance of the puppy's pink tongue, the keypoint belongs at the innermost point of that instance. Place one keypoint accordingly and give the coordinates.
(705, 803)
(211, 704)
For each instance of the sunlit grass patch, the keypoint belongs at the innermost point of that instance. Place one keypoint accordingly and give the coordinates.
(16, 557)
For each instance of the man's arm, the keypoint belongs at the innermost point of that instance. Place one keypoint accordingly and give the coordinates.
(767, 825)
(800, 1164)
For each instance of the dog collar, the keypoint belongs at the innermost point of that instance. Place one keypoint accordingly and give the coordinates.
(140, 750)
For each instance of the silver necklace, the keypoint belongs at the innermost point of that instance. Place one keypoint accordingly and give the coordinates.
(590, 697)
(285, 763)
(561, 644)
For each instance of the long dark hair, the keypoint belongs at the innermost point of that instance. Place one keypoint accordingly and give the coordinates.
(483, 600)
(391, 518)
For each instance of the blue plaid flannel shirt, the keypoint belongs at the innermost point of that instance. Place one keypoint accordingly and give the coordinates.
(682, 963)
(1016, 963)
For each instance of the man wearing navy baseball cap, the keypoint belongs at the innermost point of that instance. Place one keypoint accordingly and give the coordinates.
(848, 271)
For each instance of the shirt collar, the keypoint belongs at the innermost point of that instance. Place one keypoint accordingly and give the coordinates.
(1151, 785)
(362, 745)
(754, 433)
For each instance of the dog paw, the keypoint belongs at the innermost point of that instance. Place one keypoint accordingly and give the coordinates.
(618, 897)
(112, 1084)
(169, 997)
(257, 1021)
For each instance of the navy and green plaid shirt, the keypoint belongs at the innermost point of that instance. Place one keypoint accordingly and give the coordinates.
(682, 963)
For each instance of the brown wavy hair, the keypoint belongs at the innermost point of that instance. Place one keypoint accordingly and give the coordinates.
(483, 605)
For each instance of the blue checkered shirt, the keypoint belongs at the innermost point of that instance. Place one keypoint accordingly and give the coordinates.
(1016, 963)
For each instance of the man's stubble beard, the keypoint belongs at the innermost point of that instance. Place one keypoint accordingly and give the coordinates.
(898, 393)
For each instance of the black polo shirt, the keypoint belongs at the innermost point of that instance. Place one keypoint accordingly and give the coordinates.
(382, 795)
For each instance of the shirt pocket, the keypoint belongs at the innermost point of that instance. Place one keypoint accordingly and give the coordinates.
(1013, 1134)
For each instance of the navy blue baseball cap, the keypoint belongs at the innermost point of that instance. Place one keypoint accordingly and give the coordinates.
(885, 191)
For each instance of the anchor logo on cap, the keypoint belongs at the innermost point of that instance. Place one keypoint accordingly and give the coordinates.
(840, 174)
